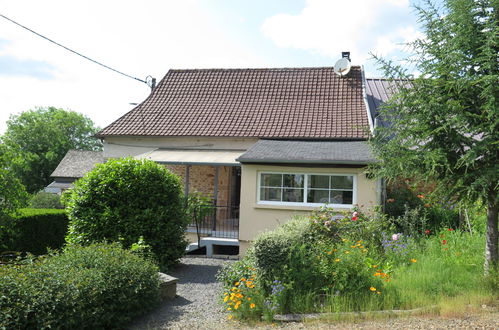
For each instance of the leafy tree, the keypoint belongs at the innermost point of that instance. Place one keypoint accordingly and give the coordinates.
(12, 192)
(12, 197)
(37, 140)
(444, 124)
(129, 201)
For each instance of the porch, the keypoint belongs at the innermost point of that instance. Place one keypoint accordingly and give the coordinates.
(216, 175)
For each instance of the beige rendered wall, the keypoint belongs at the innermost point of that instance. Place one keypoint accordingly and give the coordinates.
(256, 218)
(117, 147)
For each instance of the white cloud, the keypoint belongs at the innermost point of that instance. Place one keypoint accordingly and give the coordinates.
(330, 27)
(140, 38)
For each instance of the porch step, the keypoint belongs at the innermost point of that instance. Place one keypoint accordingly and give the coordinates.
(209, 242)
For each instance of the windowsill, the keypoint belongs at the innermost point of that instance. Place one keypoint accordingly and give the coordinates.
(299, 207)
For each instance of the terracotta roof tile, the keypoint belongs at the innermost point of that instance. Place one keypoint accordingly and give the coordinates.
(311, 103)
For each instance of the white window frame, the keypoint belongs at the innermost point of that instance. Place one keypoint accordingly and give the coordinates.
(305, 190)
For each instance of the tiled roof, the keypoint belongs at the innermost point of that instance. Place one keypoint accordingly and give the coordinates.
(307, 103)
(308, 152)
(76, 163)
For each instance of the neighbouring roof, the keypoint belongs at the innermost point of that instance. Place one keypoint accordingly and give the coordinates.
(294, 103)
(308, 152)
(193, 157)
(76, 163)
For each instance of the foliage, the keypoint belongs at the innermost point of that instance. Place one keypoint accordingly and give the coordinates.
(448, 265)
(319, 272)
(95, 287)
(198, 206)
(12, 192)
(443, 125)
(34, 230)
(45, 200)
(37, 140)
(272, 249)
(124, 200)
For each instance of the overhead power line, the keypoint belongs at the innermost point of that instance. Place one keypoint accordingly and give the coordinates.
(150, 81)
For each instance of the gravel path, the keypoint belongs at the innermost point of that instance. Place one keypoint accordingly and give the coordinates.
(196, 305)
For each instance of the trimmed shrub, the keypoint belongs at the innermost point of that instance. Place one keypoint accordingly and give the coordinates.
(45, 200)
(126, 200)
(94, 287)
(35, 230)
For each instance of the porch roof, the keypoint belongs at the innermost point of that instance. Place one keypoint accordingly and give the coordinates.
(308, 152)
(193, 156)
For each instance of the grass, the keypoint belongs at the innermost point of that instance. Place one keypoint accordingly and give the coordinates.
(447, 276)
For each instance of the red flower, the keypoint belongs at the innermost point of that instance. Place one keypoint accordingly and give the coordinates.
(444, 242)
(355, 218)
(427, 232)
(450, 229)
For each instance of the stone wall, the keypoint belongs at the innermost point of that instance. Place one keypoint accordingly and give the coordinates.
(202, 179)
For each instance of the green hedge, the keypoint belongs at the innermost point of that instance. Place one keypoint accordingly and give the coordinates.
(35, 230)
(100, 286)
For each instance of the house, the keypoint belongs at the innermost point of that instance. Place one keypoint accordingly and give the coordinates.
(264, 144)
(73, 166)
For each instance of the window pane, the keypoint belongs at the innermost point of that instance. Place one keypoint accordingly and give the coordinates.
(318, 181)
(292, 195)
(342, 182)
(272, 180)
(341, 197)
(293, 180)
(270, 194)
(318, 196)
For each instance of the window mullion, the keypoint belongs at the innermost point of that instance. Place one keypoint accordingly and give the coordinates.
(305, 189)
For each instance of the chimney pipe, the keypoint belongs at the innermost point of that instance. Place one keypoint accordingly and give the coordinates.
(346, 55)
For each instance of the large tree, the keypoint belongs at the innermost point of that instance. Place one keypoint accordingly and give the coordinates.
(444, 125)
(37, 140)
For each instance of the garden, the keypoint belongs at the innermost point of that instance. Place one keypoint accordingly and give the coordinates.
(423, 258)
(95, 264)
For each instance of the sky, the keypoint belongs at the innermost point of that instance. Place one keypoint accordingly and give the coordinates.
(149, 37)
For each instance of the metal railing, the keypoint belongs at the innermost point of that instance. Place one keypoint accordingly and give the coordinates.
(220, 221)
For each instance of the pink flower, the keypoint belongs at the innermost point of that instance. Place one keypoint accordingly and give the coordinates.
(354, 214)
(395, 237)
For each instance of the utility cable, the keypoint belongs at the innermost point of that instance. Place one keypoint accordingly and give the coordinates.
(79, 54)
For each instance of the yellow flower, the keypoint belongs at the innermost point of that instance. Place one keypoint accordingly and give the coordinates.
(226, 298)
(236, 306)
(243, 279)
(337, 260)
(372, 288)
(347, 252)
(378, 292)
(252, 305)
(237, 284)
(229, 309)
(375, 266)
(413, 260)
(249, 299)
(230, 317)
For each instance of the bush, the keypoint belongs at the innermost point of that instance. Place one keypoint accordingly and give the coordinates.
(94, 287)
(124, 200)
(45, 200)
(34, 230)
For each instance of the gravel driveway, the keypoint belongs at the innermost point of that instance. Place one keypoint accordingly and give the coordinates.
(196, 305)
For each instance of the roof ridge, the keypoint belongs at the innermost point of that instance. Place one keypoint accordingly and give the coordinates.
(259, 69)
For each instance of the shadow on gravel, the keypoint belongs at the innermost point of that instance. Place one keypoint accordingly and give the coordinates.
(200, 274)
(167, 312)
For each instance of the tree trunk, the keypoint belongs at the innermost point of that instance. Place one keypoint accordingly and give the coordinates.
(491, 249)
